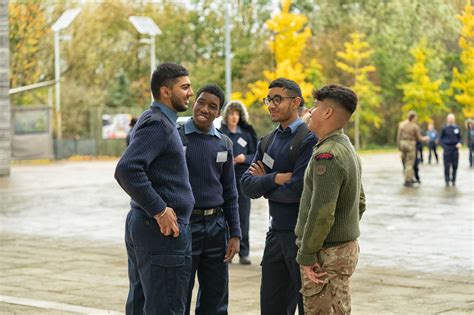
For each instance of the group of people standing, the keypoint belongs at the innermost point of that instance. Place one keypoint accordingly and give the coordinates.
(190, 187)
(410, 143)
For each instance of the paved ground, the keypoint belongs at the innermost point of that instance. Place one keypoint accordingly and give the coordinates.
(62, 228)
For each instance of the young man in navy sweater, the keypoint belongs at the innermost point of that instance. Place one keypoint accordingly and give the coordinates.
(276, 177)
(153, 172)
(211, 174)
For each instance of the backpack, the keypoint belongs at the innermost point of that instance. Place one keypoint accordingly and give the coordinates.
(224, 139)
(295, 143)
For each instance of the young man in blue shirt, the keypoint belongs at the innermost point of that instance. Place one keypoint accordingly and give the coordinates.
(153, 172)
(278, 178)
(211, 174)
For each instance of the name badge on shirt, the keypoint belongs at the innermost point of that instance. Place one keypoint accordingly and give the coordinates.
(268, 161)
(221, 156)
(242, 142)
(456, 131)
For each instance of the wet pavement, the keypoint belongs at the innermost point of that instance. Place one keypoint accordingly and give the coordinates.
(427, 229)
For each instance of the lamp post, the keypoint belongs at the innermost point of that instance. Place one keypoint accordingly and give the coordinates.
(63, 22)
(228, 55)
(145, 25)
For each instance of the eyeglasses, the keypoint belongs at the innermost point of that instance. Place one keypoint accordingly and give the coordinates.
(276, 99)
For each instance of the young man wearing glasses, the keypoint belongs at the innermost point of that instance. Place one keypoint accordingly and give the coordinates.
(279, 178)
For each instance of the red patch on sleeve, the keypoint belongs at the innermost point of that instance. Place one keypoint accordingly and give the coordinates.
(324, 156)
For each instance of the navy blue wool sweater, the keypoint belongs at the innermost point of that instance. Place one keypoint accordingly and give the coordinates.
(283, 200)
(247, 147)
(152, 170)
(212, 180)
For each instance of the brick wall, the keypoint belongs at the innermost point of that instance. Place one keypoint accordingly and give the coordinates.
(5, 114)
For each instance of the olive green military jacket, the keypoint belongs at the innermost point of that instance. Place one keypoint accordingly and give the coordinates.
(333, 198)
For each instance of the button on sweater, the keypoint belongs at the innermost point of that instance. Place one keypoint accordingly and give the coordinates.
(333, 198)
(152, 170)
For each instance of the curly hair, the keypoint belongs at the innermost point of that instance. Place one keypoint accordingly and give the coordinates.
(240, 108)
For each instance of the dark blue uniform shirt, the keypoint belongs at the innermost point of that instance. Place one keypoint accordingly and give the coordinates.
(244, 142)
(283, 200)
(450, 136)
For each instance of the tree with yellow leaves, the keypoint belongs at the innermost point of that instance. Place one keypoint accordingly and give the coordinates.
(28, 30)
(464, 80)
(421, 94)
(289, 40)
(354, 60)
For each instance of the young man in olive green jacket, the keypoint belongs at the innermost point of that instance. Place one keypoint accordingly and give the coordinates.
(332, 204)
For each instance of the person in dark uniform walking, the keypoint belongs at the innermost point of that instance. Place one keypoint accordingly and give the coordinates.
(132, 124)
(211, 174)
(470, 140)
(416, 165)
(277, 175)
(153, 172)
(450, 140)
(432, 142)
(235, 125)
(419, 150)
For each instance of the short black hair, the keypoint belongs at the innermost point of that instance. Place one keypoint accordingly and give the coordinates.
(289, 85)
(342, 95)
(166, 74)
(411, 115)
(213, 89)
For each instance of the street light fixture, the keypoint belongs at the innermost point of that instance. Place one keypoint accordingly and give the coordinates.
(63, 22)
(228, 53)
(145, 25)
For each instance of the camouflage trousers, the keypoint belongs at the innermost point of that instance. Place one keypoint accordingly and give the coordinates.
(408, 149)
(332, 296)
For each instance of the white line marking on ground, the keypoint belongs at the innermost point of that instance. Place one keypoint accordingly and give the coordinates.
(56, 306)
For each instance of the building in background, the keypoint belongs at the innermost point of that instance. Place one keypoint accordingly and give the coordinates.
(5, 131)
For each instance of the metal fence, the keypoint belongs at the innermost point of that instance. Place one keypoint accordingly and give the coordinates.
(31, 133)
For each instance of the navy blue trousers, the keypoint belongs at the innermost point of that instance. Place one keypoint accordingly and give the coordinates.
(281, 280)
(432, 148)
(158, 267)
(209, 238)
(451, 159)
(471, 154)
(244, 213)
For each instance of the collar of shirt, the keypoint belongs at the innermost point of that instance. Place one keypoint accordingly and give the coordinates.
(334, 133)
(293, 126)
(190, 127)
(169, 113)
(238, 131)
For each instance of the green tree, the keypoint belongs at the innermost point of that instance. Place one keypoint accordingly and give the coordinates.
(355, 62)
(421, 94)
(288, 42)
(28, 28)
(392, 28)
(464, 79)
(119, 94)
